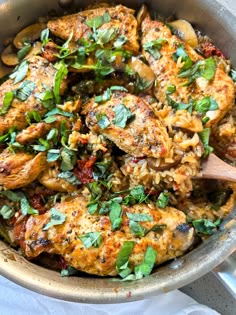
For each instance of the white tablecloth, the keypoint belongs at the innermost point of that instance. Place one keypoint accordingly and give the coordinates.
(15, 300)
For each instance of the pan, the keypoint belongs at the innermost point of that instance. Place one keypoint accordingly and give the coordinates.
(215, 19)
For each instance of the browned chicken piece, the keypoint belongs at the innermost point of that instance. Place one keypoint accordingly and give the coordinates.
(166, 69)
(38, 130)
(40, 72)
(20, 169)
(49, 178)
(64, 239)
(144, 135)
(121, 19)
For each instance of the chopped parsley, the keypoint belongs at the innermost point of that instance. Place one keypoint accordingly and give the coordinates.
(206, 226)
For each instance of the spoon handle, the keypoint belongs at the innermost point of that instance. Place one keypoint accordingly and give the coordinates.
(215, 168)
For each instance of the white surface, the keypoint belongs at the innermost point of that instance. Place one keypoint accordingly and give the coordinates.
(15, 300)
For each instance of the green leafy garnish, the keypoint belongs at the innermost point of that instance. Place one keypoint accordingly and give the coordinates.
(33, 116)
(26, 207)
(91, 239)
(25, 90)
(56, 218)
(24, 51)
(103, 120)
(205, 104)
(69, 271)
(108, 93)
(122, 261)
(20, 72)
(233, 75)
(100, 170)
(60, 75)
(120, 41)
(205, 226)
(122, 116)
(115, 215)
(136, 195)
(144, 269)
(103, 37)
(53, 155)
(162, 200)
(7, 101)
(204, 137)
(139, 217)
(6, 212)
(44, 36)
(46, 98)
(154, 47)
(98, 21)
(137, 229)
(202, 68)
(68, 159)
(170, 89)
(69, 177)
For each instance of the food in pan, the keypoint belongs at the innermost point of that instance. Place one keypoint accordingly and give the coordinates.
(104, 124)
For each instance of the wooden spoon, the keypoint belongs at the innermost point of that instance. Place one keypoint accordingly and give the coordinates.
(215, 168)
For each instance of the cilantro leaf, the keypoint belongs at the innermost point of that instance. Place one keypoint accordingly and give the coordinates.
(91, 239)
(122, 116)
(56, 218)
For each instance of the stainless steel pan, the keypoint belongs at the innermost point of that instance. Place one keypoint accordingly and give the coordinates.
(214, 18)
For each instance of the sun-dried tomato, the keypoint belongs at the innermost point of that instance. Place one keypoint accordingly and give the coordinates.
(209, 50)
(84, 170)
(37, 203)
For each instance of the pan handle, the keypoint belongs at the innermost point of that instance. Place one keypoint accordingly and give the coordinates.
(226, 273)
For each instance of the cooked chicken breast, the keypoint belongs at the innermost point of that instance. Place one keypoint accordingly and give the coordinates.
(19, 169)
(64, 239)
(121, 19)
(143, 135)
(40, 72)
(166, 69)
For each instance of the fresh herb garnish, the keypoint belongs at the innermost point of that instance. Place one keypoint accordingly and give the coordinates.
(53, 155)
(137, 229)
(162, 200)
(206, 226)
(122, 261)
(26, 207)
(91, 239)
(204, 137)
(98, 21)
(68, 160)
(46, 98)
(69, 177)
(20, 72)
(103, 37)
(7, 101)
(69, 271)
(136, 195)
(102, 120)
(233, 75)
(25, 90)
(106, 96)
(205, 104)
(120, 41)
(115, 215)
(100, 170)
(59, 76)
(123, 116)
(44, 36)
(56, 218)
(6, 212)
(154, 47)
(139, 217)
(24, 51)
(170, 89)
(33, 116)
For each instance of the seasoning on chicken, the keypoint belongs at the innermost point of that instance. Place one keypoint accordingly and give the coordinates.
(129, 122)
(183, 75)
(20, 169)
(118, 18)
(66, 238)
(38, 74)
